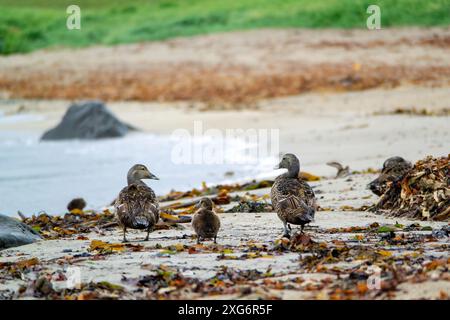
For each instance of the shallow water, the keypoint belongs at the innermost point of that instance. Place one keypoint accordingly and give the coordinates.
(44, 176)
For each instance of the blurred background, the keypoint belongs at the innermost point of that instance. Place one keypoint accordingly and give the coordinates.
(27, 25)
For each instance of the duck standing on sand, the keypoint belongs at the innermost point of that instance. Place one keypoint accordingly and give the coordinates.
(393, 170)
(206, 223)
(292, 197)
(136, 205)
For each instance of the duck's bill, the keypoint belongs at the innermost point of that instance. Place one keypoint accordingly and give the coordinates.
(152, 176)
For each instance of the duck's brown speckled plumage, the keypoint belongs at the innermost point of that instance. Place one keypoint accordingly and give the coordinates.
(292, 197)
(393, 170)
(205, 222)
(137, 206)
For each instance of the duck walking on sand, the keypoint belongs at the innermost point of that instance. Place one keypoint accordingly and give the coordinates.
(206, 223)
(136, 205)
(292, 197)
(393, 170)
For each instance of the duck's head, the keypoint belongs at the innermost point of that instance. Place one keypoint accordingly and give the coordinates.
(395, 162)
(290, 162)
(139, 172)
(205, 203)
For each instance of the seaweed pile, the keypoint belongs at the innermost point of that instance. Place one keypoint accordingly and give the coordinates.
(213, 190)
(423, 193)
(74, 223)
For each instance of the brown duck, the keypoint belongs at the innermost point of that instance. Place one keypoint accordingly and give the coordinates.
(136, 205)
(393, 170)
(206, 223)
(292, 197)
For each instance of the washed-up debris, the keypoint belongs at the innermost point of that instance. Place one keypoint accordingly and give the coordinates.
(171, 217)
(78, 222)
(102, 247)
(251, 203)
(216, 190)
(44, 289)
(16, 268)
(417, 112)
(74, 223)
(423, 193)
(165, 282)
(252, 206)
(341, 170)
(308, 176)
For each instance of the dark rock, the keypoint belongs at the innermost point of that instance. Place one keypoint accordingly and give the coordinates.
(88, 120)
(77, 203)
(14, 233)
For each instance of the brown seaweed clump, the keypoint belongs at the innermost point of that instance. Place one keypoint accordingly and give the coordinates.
(423, 193)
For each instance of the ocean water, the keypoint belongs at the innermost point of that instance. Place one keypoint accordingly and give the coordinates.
(40, 176)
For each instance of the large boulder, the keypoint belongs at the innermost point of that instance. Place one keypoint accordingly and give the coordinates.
(88, 120)
(14, 233)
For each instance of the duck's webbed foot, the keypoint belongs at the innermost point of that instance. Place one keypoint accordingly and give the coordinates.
(286, 232)
(215, 239)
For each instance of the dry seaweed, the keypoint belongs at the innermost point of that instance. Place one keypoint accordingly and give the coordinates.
(423, 193)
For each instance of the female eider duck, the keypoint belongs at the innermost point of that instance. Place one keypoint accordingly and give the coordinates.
(393, 170)
(136, 205)
(206, 223)
(292, 198)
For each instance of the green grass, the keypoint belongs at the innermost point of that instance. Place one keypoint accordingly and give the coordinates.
(27, 25)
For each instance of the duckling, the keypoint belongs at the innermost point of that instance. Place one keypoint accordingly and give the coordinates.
(77, 203)
(206, 223)
(393, 170)
(292, 197)
(137, 206)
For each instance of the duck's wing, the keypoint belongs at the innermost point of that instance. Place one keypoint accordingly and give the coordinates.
(293, 194)
(137, 206)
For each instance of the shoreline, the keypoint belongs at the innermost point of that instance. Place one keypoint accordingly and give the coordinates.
(358, 129)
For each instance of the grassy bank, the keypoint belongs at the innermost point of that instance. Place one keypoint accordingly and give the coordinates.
(26, 25)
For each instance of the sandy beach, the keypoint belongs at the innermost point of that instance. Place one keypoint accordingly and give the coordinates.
(248, 236)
